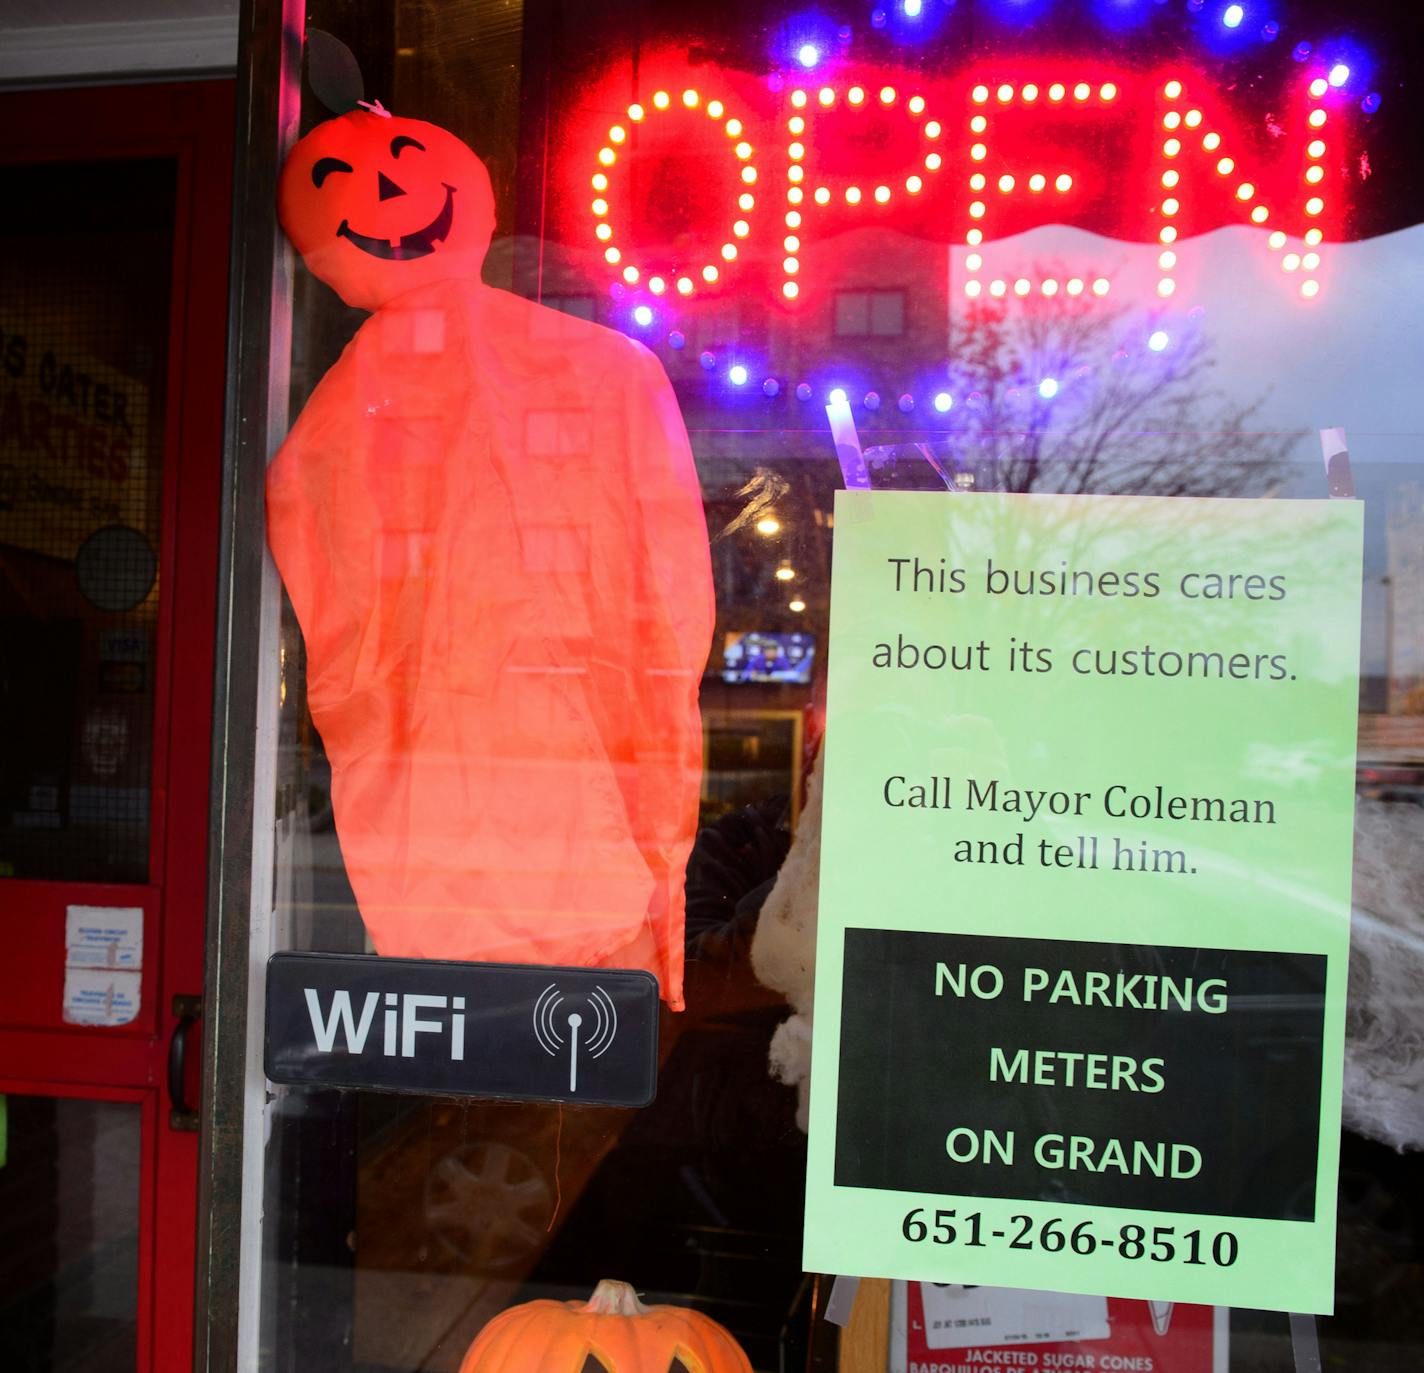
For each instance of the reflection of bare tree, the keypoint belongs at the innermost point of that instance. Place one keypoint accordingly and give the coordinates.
(1066, 395)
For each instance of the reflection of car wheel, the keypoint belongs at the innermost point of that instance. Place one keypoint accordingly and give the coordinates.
(488, 1205)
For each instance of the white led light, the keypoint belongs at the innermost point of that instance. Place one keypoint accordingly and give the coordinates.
(1022, 286)
(1075, 286)
(1006, 183)
(617, 134)
(823, 196)
(978, 181)
(1063, 182)
(1037, 181)
(657, 285)
(1101, 286)
(997, 288)
(1211, 142)
(636, 112)
(852, 195)
(882, 194)
(1193, 118)
(972, 289)
(1309, 289)
(976, 209)
(914, 185)
(917, 104)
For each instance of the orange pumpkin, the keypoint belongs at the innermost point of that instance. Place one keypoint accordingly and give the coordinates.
(613, 1332)
(378, 205)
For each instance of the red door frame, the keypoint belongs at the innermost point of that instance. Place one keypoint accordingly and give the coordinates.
(192, 123)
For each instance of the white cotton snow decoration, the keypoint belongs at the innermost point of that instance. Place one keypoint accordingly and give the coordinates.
(784, 946)
(1384, 1018)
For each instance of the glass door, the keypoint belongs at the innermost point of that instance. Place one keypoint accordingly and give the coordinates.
(112, 287)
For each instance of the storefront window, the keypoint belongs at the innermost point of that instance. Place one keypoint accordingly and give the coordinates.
(1145, 250)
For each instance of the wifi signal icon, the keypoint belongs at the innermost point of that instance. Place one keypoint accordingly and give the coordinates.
(550, 1016)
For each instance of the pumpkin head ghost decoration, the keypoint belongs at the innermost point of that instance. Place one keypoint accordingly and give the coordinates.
(490, 526)
(370, 202)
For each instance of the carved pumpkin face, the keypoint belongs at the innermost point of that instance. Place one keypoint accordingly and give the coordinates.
(613, 1332)
(379, 206)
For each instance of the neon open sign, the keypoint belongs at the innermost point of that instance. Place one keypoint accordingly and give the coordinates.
(1152, 156)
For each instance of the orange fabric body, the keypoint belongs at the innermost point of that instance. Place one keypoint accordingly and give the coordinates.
(490, 526)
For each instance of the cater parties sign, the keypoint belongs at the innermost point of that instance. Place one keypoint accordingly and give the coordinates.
(1084, 913)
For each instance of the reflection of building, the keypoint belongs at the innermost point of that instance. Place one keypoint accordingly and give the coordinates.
(1404, 605)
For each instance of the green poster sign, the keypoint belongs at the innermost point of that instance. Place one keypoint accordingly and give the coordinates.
(1085, 894)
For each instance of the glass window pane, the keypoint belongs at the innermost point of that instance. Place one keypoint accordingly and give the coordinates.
(69, 1216)
(1064, 349)
(85, 259)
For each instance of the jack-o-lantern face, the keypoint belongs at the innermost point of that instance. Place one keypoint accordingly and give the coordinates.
(379, 206)
(613, 1332)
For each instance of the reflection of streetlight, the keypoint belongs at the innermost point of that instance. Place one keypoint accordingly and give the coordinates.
(768, 525)
(798, 605)
(785, 573)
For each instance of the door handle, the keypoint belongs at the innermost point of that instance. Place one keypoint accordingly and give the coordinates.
(189, 1010)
